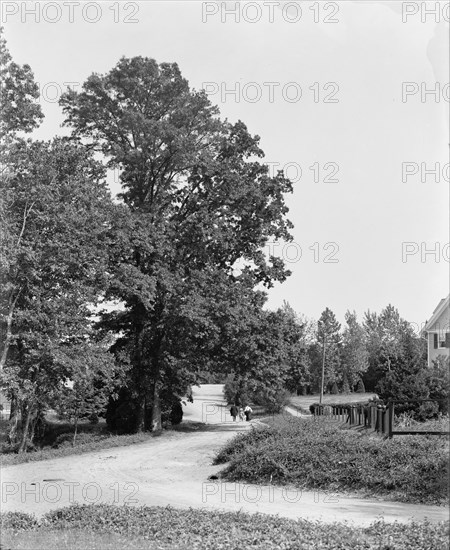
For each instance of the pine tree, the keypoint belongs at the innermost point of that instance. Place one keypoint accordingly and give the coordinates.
(328, 338)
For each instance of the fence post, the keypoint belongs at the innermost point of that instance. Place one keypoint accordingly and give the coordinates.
(385, 420)
(373, 416)
(391, 419)
(379, 423)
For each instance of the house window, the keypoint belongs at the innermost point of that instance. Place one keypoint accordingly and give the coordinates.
(435, 340)
(444, 340)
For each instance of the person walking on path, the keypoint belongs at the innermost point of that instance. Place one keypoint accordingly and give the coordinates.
(248, 413)
(241, 414)
(234, 412)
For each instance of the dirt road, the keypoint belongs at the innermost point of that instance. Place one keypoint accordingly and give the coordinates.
(174, 469)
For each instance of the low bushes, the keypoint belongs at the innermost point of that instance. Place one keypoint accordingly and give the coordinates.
(169, 528)
(83, 438)
(314, 454)
(18, 521)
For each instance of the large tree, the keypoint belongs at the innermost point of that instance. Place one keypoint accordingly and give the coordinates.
(199, 201)
(57, 210)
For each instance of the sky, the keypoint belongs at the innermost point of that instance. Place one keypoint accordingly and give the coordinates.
(351, 99)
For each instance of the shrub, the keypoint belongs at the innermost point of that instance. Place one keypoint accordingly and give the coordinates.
(272, 400)
(345, 385)
(13, 448)
(93, 418)
(334, 389)
(360, 387)
(121, 413)
(176, 413)
(83, 438)
(318, 454)
(18, 521)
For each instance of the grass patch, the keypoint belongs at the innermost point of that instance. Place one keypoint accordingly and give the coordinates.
(406, 423)
(316, 454)
(102, 526)
(85, 445)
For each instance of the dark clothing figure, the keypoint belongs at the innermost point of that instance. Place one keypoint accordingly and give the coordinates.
(234, 411)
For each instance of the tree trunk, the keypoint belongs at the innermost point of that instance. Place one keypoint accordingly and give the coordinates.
(75, 432)
(26, 427)
(32, 428)
(14, 421)
(140, 420)
(155, 388)
(139, 341)
(156, 409)
(8, 337)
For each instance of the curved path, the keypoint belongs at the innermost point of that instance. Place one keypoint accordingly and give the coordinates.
(173, 469)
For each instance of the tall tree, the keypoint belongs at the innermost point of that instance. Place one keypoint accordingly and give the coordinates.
(199, 201)
(389, 344)
(20, 113)
(328, 345)
(354, 353)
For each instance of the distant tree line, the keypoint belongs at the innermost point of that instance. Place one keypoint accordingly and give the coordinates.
(382, 354)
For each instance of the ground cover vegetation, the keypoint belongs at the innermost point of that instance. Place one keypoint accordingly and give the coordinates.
(315, 454)
(165, 528)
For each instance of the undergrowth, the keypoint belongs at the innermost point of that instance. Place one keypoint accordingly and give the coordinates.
(169, 528)
(314, 454)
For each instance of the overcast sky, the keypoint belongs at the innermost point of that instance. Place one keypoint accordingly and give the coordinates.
(329, 101)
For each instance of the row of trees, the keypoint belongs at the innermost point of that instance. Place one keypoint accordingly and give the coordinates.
(381, 354)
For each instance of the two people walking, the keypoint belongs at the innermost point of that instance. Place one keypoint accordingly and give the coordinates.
(240, 413)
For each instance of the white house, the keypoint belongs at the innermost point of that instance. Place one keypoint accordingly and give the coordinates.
(437, 331)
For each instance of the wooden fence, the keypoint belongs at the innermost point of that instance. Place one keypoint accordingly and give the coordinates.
(373, 416)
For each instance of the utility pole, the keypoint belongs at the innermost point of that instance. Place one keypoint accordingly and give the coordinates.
(323, 370)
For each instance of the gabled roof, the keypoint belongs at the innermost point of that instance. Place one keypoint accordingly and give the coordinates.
(442, 305)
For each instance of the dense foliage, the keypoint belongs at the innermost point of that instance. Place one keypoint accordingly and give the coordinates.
(267, 359)
(200, 209)
(318, 455)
